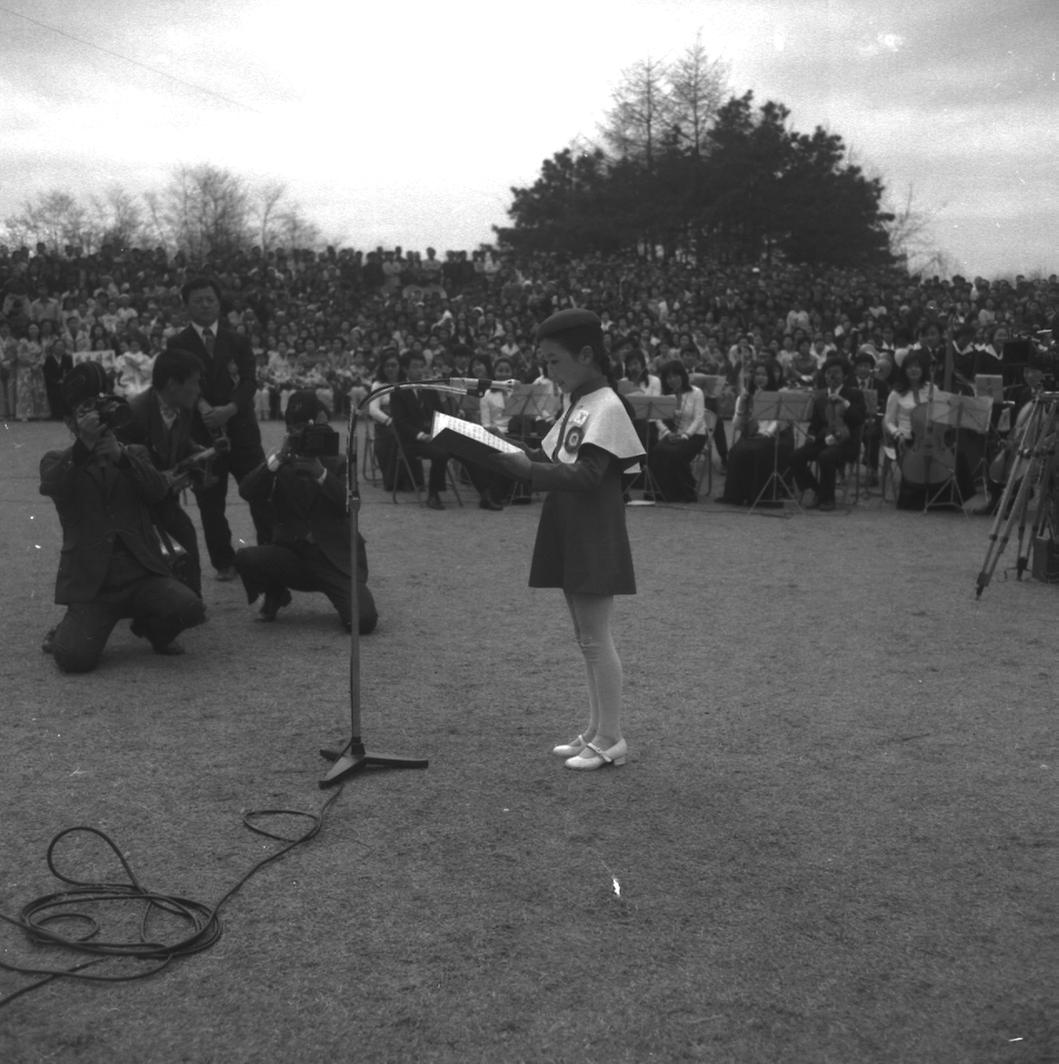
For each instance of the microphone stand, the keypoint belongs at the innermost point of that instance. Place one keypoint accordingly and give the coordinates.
(353, 756)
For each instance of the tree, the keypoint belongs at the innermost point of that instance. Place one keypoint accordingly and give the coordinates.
(119, 219)
(54, 218)
(640, 113)
(696, 91)
(571, 205)
(265, 202)
(208, 211)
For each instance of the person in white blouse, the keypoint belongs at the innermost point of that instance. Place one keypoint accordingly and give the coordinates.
(910, 389)
(680, 438)
(637, 380)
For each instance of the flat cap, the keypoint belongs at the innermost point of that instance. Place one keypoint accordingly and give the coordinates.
(572, 318)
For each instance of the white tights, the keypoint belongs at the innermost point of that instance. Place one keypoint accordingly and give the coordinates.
(591, 616)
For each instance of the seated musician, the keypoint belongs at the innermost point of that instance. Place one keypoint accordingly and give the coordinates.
(875, 395)
(493, 403)
(388, 372)
(760, 444)
(909, 390)
(412, 411)
(680, 438)
(492, 406)
(636, 380)
(834, 430)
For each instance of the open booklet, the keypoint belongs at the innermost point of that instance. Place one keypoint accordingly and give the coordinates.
(468, 440)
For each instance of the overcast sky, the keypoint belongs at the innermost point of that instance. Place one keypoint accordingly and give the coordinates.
(407, 122)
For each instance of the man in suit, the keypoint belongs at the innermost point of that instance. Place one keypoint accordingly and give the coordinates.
(226, 418)
(413, 412)
(310, 548)
(162, 419)
(834, 434)
(111, 565)
(875, 392)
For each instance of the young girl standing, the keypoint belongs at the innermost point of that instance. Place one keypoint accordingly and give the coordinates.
(582, 545)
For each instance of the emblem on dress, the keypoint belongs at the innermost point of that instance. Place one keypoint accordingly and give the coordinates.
(576, 432)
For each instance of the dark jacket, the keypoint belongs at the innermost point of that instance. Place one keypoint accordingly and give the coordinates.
(853, 418)
(167, 445)
(101, 503)
(308, 511)
(229, 376)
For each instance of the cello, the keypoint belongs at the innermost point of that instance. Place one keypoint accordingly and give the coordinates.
(930, 460)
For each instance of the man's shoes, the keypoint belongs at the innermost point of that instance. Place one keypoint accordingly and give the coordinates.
(826, 505)
(274, 602)
(434, 503)
(48, 643)
(226, 574)
(488, 504)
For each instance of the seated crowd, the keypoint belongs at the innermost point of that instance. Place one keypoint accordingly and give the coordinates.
(708, 337)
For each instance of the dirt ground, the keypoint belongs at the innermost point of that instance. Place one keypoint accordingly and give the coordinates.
(833, 840)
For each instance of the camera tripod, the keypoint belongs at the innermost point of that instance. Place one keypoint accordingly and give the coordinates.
(1032, 476)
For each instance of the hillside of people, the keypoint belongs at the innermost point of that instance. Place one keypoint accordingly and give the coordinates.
(326, 318)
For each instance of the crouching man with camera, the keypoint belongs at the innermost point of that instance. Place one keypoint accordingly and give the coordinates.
(111, 564)
(305, 480)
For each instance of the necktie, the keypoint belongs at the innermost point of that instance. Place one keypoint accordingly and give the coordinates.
(832, 414)
(207, 339)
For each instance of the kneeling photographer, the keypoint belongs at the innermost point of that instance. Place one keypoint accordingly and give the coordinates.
(111, 564)
(305, 480)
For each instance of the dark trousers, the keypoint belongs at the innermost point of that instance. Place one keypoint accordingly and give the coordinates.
(493, 486)
(245, 455)
(303, 566)
(670, 465)
(828, 458)
(160, 607)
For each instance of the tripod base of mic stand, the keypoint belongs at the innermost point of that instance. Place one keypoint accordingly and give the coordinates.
(353, 757)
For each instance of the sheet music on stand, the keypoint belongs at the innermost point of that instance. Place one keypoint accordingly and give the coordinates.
(969, 412)
(652, 407)
(989, 386)
(783, 406)
(712, 384)
(534, 401)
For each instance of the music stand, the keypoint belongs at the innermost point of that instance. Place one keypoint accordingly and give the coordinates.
(780, 407)
(650, 408)
(989, 386)
(532, 402)
(353, 756)
(969, 412)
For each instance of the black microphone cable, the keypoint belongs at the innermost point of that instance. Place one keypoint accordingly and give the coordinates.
(65, 918)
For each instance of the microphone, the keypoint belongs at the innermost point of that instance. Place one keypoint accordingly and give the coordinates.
(480, 385)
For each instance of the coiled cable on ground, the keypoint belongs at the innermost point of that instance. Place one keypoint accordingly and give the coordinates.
(73, 918)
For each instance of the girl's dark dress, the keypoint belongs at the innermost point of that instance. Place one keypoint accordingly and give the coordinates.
(582, 543)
